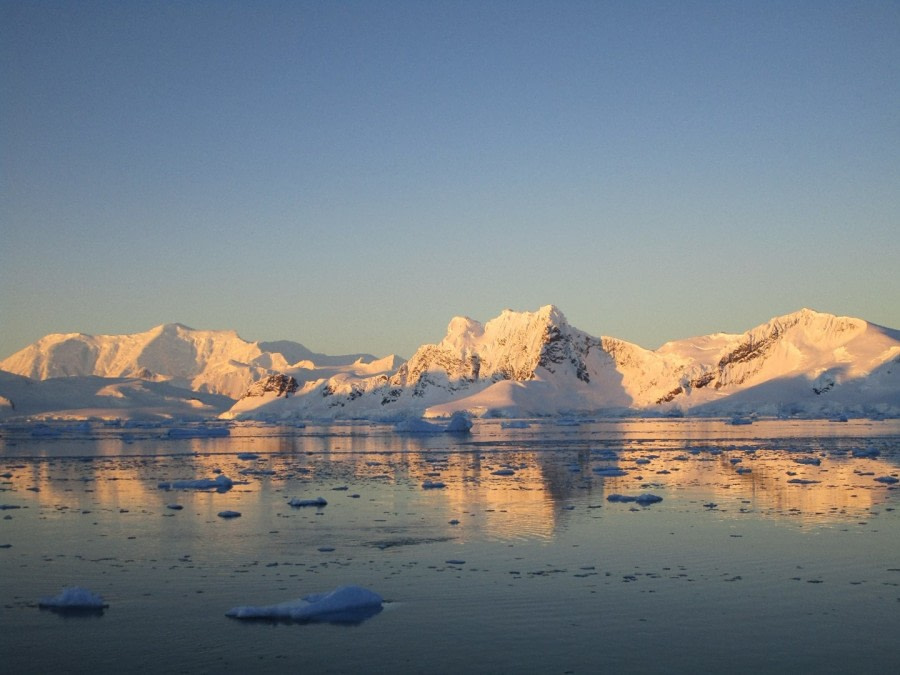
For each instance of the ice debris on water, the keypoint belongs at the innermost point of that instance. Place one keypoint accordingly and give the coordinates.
(229, 514)
(247, 455)
(887, 480)
(346, 604)
(643, 499)
(866, 452)
(433, 484)
(297, 502)
(459, 423)
(610, 471)
(74, 597)
(222, 483)
(812, 461)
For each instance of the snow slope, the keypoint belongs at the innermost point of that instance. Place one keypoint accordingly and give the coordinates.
(535, 363)
(103, 398)
(219, 362)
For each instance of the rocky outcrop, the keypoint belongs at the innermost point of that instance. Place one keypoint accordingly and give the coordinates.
(280, 385)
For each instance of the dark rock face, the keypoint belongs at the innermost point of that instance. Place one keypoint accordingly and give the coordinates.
(282, 385)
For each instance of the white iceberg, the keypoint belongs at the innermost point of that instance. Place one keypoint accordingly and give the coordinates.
(346, 604)
(74, 598)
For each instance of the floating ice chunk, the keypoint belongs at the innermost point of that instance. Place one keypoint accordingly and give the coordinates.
(229, 514)
(644, 499)
(739, 420)
(610, 471)
(887, 480)
(433, 484)
(318, 501)
(813, 461)
(346, 604)
(867, 452)
(514, 424)
(803, 481)
(503, 472)
(4, 507)
(174, 507)
(74, 597)
(455, 562)
(222, 483)
(459, 424)
(414, 425)
(247, 455)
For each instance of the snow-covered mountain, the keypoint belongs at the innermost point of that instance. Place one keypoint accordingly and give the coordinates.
(518, 364)
(218, 362)
(90, 396)
(535, 363)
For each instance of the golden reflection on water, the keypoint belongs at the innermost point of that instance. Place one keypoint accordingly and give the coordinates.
(545, 471)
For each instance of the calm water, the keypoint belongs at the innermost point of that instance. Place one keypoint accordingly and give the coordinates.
(738, 569)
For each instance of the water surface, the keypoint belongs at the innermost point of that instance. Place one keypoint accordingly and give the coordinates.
(774, 547)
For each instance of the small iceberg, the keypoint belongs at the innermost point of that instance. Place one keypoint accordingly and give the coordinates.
(229, 514)
(740, 420)
(344, 605)
(459, 424)
(74, 599)
(812, 461)
(318, 501)
(433, 485)
(867, 452)
(887, 480)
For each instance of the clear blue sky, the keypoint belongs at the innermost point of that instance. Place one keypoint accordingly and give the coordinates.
(351, 175)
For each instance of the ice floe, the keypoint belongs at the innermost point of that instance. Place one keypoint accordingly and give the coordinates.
(74, 598)
(643, 499)
(222, 483)
(887, 480)
(610, 471)
(346, 604)
(459, 423)
(229, 514)
(297, 502)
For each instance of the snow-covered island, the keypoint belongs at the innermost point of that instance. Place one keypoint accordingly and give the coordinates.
(518, 365)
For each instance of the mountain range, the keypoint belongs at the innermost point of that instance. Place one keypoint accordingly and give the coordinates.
(519, 364)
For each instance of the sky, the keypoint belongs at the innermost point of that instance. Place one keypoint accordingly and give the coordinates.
(351, 175)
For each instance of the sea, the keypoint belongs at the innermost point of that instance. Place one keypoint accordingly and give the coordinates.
(535, 546)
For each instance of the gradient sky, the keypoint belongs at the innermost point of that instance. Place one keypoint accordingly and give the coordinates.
(351, 175)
